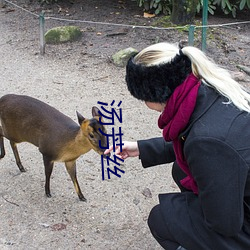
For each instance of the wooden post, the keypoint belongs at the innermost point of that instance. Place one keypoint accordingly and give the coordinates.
(42, 31)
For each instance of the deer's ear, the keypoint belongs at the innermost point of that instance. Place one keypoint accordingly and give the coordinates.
(95, 111)
(80, 118)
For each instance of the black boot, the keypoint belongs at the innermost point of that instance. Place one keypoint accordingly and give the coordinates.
(181, 248)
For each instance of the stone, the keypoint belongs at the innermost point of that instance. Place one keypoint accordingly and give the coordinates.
(121, 58)
(63, 34)
(147, 192)
(239, 76)
(244, 68)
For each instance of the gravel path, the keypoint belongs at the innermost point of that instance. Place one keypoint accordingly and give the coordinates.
(115, 215)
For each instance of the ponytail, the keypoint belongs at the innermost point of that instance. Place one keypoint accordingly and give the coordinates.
(218, 78)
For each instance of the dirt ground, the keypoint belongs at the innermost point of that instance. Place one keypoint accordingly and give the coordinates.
(75, 76)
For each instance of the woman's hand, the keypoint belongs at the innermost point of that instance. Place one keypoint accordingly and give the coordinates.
(129, 149)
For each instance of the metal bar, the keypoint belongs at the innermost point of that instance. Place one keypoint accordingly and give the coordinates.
(42, 31)
(204, 24)
(191, 35)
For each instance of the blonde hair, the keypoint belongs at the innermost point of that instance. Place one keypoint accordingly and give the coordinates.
(202, 67)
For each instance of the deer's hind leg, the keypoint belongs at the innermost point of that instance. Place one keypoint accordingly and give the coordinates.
(71, 168)
(18, 161)
(1, 144)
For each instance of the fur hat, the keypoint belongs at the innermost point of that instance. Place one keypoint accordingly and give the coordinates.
(156, 83)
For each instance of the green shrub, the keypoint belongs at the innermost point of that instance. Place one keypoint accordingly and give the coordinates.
(165, 6)
(232, 6)
(157, 6)
(211, 7)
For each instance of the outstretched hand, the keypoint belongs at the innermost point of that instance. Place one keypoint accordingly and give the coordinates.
(129, 149)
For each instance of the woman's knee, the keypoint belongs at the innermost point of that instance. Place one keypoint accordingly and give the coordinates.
(153, 218)
(159, 229)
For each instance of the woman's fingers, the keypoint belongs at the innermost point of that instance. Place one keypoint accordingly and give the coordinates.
(128, 149)
(108, 150)
(117, 150)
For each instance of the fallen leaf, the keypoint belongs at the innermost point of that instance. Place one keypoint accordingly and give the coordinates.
(146, 192)
(58, 227)
(147, 15)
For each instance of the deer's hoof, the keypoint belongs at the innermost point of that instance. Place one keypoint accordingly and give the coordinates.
(48, 195)
(82, 198)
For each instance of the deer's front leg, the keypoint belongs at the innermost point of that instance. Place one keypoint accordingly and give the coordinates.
(71, 168)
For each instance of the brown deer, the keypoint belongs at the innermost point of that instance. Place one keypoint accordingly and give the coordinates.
(59, 138)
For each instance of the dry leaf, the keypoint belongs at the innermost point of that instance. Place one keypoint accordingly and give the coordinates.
(58, 227)
(147, 15)
(147, 193)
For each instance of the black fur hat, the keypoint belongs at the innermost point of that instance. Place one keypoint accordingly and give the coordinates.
(156, 83)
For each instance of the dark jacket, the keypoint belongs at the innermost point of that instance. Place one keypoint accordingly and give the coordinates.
(216, 145)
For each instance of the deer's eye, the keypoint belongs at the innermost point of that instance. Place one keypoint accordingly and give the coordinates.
(91, 136)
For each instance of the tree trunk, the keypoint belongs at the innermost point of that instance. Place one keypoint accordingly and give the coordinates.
(183, 11)
(2, 3)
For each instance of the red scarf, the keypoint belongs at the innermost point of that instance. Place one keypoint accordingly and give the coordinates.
(174, 119)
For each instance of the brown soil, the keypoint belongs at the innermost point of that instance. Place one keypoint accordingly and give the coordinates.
(75, 76)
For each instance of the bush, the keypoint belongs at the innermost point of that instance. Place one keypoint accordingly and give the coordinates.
(156, 6)
(165, 6)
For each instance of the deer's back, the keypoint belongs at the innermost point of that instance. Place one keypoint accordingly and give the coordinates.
(24, 118)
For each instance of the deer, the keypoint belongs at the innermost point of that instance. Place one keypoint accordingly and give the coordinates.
(58, 138)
